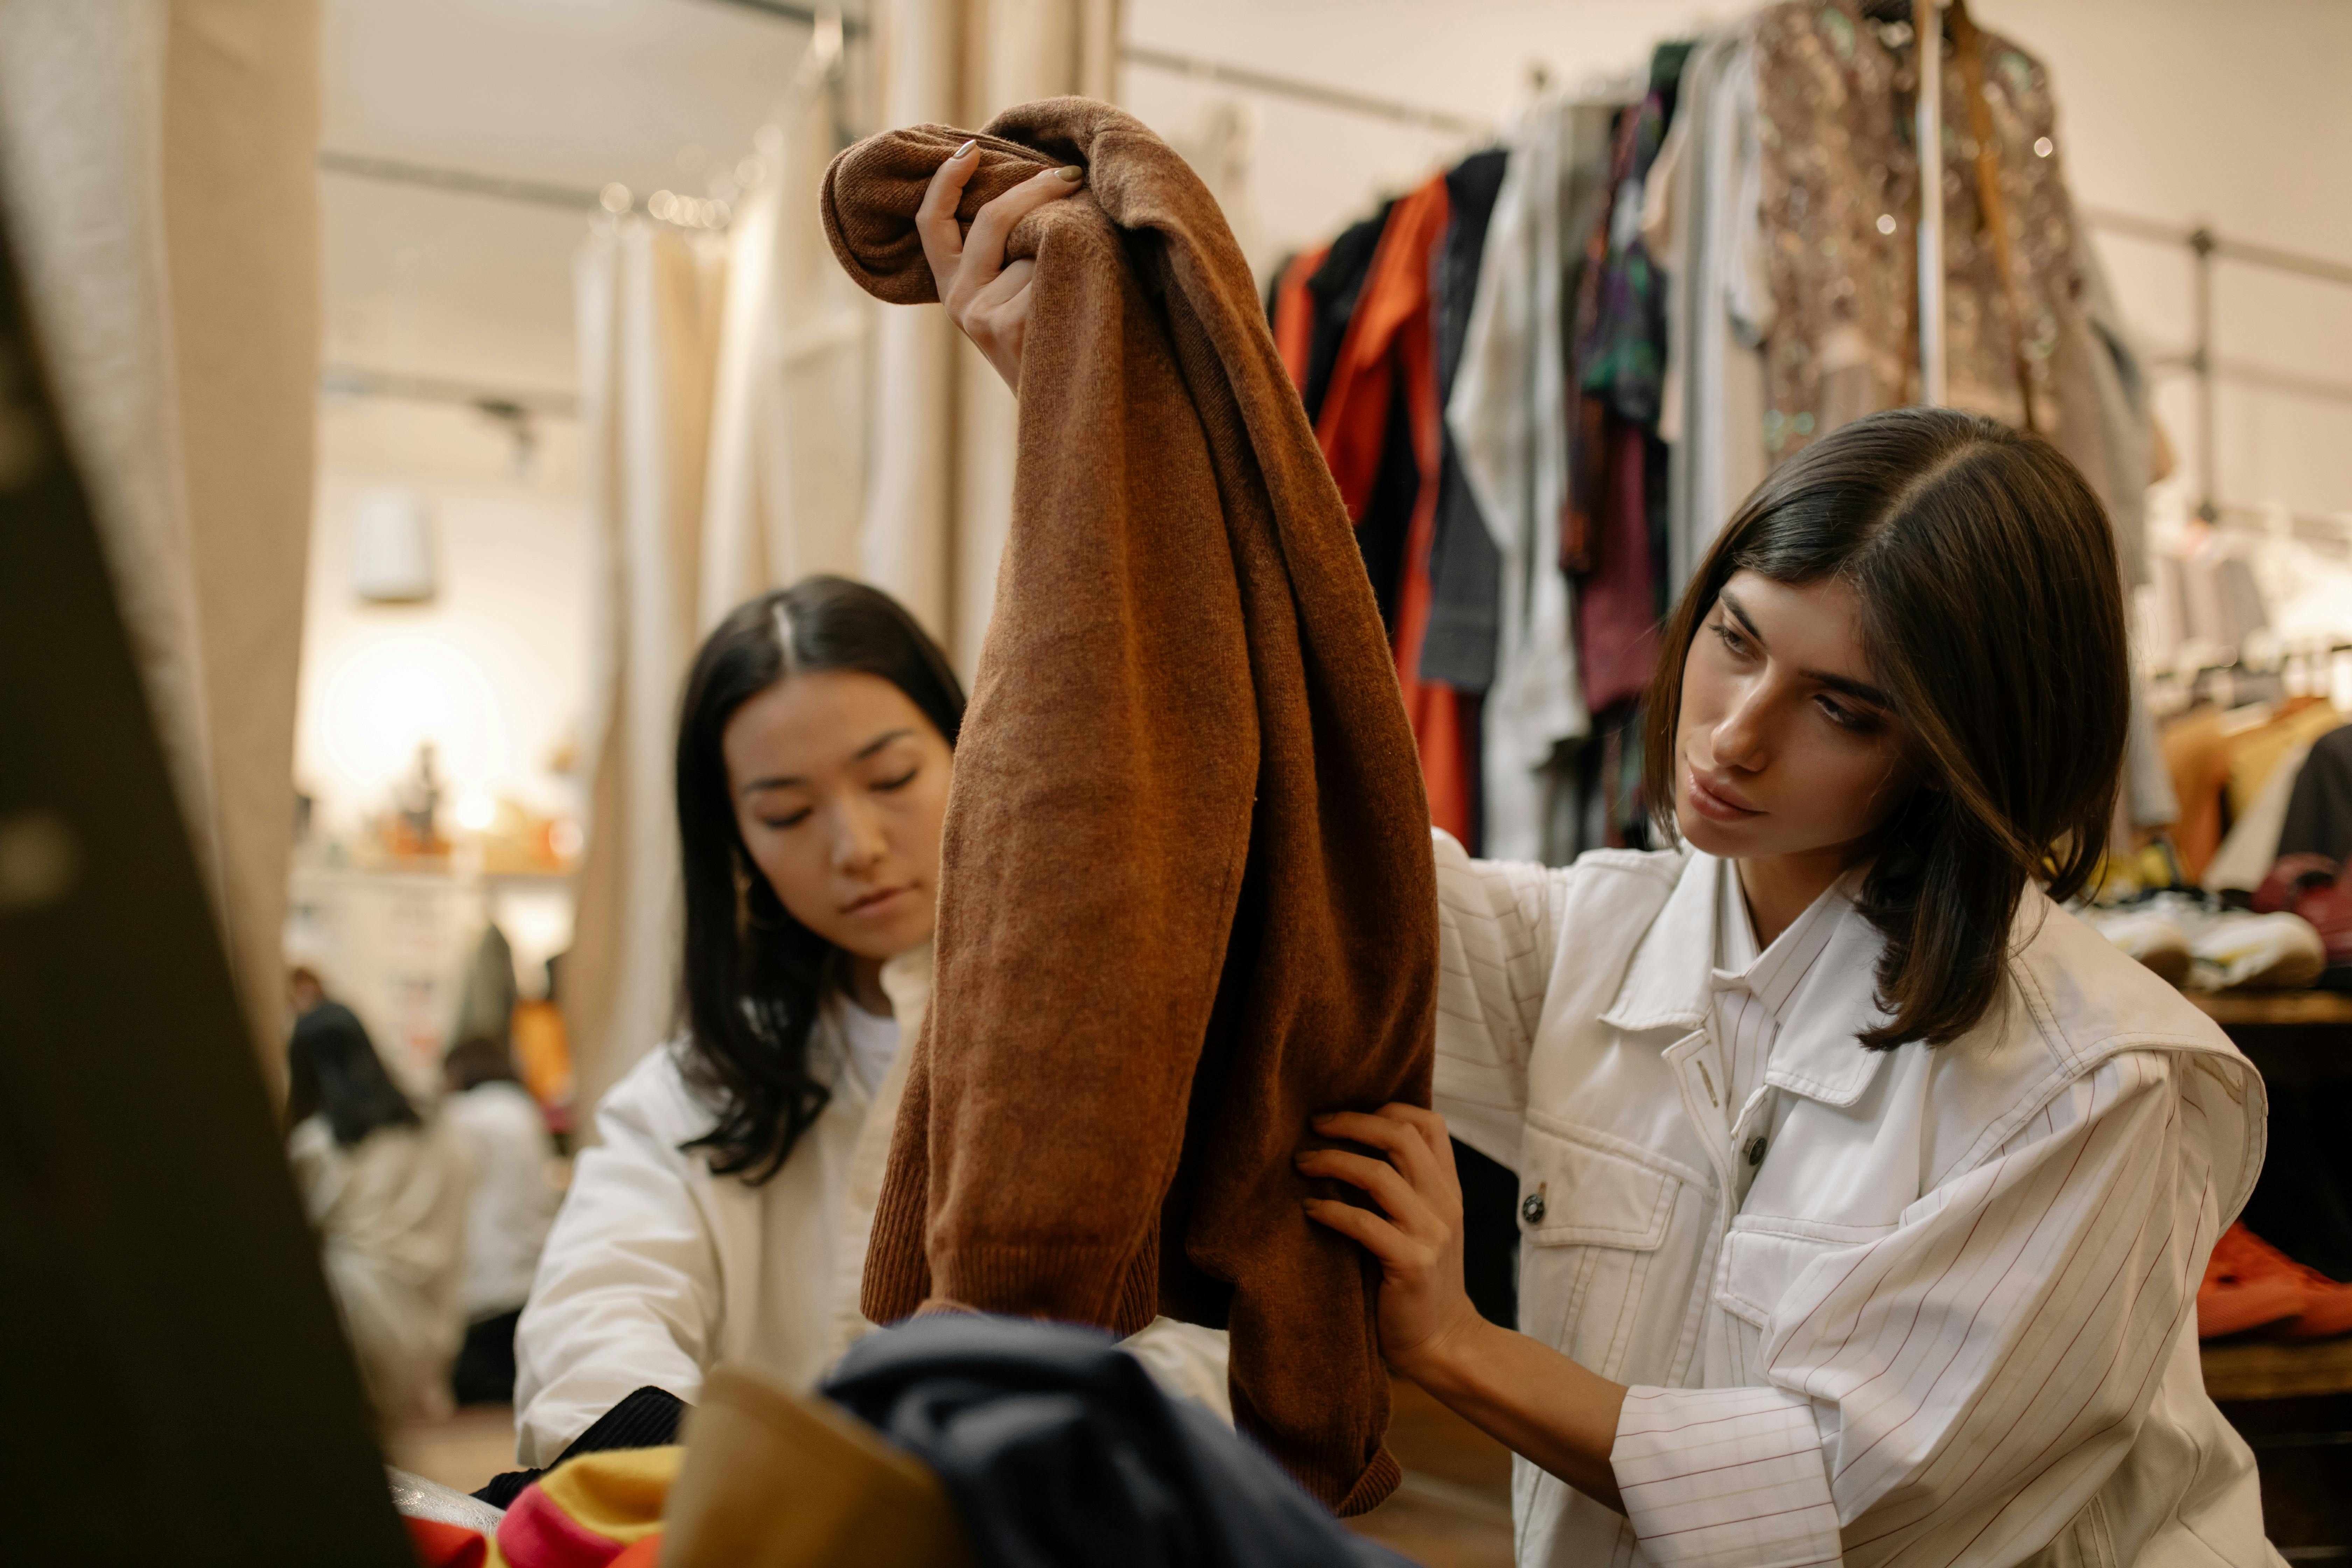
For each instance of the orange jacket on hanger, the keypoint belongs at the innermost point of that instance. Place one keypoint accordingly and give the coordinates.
(1391, 333)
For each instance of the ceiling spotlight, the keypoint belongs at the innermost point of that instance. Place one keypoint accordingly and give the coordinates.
(613, 198)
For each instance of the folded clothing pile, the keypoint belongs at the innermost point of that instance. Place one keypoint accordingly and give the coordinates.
(2249, 1284)
(953, 1442)
(2191, 940)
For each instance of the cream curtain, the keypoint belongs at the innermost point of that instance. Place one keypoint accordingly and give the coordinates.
(944, 423)
(753, 417)
(157, 163)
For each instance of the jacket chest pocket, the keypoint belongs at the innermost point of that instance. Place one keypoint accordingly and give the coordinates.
(1762, 1257)
(1597, 1277)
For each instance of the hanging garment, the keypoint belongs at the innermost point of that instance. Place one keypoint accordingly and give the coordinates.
(1701, 220)
(1292, 312)
(1617, 618)
(1466, 581)
(1839, 198)
(1152, 964)
(1383, 393)
(1333, 289)
(2319, 811)
(2252, 845)
(1508, 414)
(2197, 753)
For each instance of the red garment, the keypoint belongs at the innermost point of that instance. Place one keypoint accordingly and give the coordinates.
(1293, 314)
(1391, 333)
(1616, 611)
(439, 1545)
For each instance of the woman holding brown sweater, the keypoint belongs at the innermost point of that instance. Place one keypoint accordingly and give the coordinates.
(1864, 1191)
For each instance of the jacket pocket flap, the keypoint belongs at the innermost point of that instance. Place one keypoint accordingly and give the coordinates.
(1581, 1188)
(1760, 1262)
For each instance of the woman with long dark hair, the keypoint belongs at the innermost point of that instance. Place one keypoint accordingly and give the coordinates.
(723, 1216)
(386, 1192)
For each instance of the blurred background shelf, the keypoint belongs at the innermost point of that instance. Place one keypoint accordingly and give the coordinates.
(2277, 1369)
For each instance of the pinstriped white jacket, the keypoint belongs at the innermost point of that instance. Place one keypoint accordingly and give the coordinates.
(1952, 1319)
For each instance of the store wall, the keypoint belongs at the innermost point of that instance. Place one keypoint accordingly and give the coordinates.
(2176, 110)
(494, 670)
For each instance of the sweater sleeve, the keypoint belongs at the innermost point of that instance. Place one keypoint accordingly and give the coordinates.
(627, 1294)
(1495, 942)
(1965, 1383)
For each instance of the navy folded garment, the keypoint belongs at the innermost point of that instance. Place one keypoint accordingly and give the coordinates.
(1059, 1449)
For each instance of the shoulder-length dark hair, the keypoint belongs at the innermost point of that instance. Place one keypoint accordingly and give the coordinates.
(754, 977)
(333, 1071)
(1992, 614)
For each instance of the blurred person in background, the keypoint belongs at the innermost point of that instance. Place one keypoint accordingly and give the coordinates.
(512, 1203)
(386, 1191)
(724, 1214)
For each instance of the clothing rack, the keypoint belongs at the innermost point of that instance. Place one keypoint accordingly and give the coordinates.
(2206, 247)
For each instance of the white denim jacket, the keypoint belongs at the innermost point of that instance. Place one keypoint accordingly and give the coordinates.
(1952, 1322)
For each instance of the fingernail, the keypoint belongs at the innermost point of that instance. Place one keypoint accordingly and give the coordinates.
(1321, 1117)
(964, 150)
(1071, 172)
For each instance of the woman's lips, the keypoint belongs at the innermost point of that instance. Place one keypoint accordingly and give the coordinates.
(877, 902)
(1714, 805)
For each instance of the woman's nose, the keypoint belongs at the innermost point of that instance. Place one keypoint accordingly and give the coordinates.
(1739, 738)
(857, 838)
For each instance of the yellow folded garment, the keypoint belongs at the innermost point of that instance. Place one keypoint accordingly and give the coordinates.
(778, 1480)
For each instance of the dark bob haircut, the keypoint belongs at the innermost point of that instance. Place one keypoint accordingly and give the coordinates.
(753, 977)
(332, 1071)
(1992, 615)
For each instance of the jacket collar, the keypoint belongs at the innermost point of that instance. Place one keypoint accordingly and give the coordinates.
(1817, 1055)
(1669, 985)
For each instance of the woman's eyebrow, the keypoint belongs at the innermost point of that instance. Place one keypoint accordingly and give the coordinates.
(1851, 687)
(790, 781)
(1860, 689)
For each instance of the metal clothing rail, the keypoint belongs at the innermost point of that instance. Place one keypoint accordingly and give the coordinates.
(1299, 89)
(506, 403)
(2206, 247)
(498, 187)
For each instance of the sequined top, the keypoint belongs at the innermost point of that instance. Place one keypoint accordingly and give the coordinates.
(1836, 97)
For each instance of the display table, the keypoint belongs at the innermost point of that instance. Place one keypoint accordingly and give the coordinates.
(2295, 1039)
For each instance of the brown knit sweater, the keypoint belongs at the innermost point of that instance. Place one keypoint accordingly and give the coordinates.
(1187, 897)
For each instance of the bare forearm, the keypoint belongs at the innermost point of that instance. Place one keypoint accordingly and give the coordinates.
(1532, 1399)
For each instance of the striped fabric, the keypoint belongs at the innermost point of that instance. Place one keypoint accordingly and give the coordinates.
(1948, 1388)
(1753, 992)
(1926, 1307)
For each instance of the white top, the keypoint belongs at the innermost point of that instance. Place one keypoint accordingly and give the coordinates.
(390, 1212)
(1952, 1318)
(512, 1203)
(657, 1270)
(872, 1039)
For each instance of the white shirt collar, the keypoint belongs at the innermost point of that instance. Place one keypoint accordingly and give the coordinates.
(1671, 979)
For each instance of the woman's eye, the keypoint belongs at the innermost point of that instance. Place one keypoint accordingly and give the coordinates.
(901, 781)
(1847, 718)
(1729, 637)
(790, 819)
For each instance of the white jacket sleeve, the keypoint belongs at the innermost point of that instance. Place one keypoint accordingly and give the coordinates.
(1494, 952)
(627, 1293)
(1967, 1382)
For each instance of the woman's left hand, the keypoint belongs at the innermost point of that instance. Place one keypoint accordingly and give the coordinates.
(1424, 1311)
